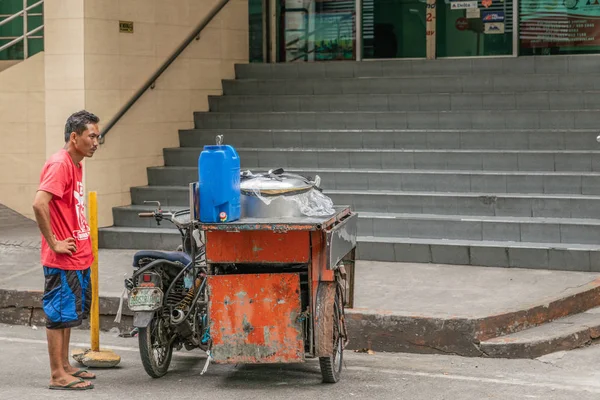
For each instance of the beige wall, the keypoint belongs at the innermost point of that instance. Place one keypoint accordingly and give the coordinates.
(91, 65)
(5, 64)
(22, 139)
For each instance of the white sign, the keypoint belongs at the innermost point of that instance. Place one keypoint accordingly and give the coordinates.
(473, 13)
(462, 5)
(494, 28)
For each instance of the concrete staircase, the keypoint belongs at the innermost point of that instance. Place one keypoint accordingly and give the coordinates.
(489, 162)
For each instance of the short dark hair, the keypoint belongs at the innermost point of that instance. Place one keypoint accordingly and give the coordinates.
(78, 122)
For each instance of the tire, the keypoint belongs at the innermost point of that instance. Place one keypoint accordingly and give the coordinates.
(331, 366)
(155, 358)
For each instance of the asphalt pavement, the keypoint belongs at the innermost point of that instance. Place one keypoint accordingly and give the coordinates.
(24, 374)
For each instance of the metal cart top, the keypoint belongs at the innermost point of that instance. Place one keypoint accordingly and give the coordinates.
(280, 224)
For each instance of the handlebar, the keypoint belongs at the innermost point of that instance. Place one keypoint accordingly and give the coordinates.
(160, 215)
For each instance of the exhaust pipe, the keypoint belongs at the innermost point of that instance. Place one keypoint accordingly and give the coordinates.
(177, 316)
(182, 326)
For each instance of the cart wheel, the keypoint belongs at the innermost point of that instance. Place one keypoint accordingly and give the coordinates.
(331, 366)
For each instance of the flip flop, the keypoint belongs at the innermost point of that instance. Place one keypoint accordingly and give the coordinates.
(71, 386)
(77, 374)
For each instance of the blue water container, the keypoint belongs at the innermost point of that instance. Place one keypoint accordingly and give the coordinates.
(219, 184)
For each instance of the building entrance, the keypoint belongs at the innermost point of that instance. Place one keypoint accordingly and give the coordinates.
(338, 30)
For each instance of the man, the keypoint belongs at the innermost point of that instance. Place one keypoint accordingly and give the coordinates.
(66, 255)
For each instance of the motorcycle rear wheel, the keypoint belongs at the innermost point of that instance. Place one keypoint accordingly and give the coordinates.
(155, 348)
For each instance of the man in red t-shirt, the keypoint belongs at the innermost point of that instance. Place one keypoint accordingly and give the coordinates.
(66, 257)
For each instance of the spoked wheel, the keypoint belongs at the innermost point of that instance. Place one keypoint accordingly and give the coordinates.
(156, 348)
(331, 366)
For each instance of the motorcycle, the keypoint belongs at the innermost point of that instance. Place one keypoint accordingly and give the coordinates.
(167, 295)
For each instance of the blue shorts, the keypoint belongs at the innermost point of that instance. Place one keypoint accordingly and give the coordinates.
(67, 297)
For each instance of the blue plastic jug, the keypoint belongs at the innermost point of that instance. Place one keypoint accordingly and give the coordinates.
(219, 184)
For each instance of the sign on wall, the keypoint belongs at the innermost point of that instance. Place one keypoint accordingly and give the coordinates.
(126, 26)
(559, 23)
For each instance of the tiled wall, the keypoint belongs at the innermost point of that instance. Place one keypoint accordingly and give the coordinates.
(22, 138)
(91, 65)
(5, 64)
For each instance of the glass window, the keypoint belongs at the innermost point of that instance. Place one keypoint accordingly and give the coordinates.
(559, 26)
(14, 29)
(256, 33)
(317, 30)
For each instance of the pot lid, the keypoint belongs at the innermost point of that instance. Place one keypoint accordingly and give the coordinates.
(273, 183)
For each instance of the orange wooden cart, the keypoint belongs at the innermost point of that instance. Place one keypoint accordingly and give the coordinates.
(277, 289)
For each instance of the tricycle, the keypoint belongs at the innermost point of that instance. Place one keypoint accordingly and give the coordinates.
(252, 291)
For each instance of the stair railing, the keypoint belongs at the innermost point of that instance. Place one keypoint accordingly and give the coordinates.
(26, 33)
(151, 82)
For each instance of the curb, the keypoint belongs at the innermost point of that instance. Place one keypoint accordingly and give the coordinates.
(377, 330)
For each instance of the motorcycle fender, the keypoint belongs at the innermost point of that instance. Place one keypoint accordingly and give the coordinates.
(141, 319)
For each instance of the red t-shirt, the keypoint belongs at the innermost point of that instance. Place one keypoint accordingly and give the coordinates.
(63, 179)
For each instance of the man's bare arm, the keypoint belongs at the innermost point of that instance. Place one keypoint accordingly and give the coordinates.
(41, 209)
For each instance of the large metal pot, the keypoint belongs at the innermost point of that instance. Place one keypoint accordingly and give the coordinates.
(271, 194)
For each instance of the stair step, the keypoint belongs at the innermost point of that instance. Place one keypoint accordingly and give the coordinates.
(484, 204)
(482, 119)
(517, 139)
(553, 256)
(406, 84)
(499, 204)
(407, 180)
(480, 66)
(480, 228)
(118, 237)
(540, 100)
(557, 256)
(127, 216)
(423, 226)
(562, 334)
(472, 160)
(169, 196)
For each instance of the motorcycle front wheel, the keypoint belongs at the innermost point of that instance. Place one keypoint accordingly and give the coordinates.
(156, 348)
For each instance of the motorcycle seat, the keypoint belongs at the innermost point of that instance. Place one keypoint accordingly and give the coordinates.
(174, 256)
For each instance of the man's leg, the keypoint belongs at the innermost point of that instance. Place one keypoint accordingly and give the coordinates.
(65, 351)
(58, 375)
(56, 303)
(55, 350)
(69, 369)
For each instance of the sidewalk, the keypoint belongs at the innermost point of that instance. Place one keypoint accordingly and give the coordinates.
(398, 306)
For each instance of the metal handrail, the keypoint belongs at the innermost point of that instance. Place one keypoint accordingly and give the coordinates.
(26, 35)
(15, 37)
(195, 34)
(30, 14)
(18, 39)
(18, 14)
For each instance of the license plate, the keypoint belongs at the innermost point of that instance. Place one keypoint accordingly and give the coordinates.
(145, 299)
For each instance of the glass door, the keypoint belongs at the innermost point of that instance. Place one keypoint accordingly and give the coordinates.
(393, 29)
(326, 30)
(474, 28)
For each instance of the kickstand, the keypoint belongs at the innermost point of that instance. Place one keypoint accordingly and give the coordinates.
(133, 333)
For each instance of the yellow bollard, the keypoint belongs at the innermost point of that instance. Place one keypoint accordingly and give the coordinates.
(95, 310)
(95, 357)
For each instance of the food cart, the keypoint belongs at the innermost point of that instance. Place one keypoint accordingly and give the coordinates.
(277, 288)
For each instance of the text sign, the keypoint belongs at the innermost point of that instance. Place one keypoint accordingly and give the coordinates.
(462, 5)
(126, 26)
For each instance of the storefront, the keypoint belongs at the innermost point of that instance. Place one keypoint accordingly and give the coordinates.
(324, 30)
